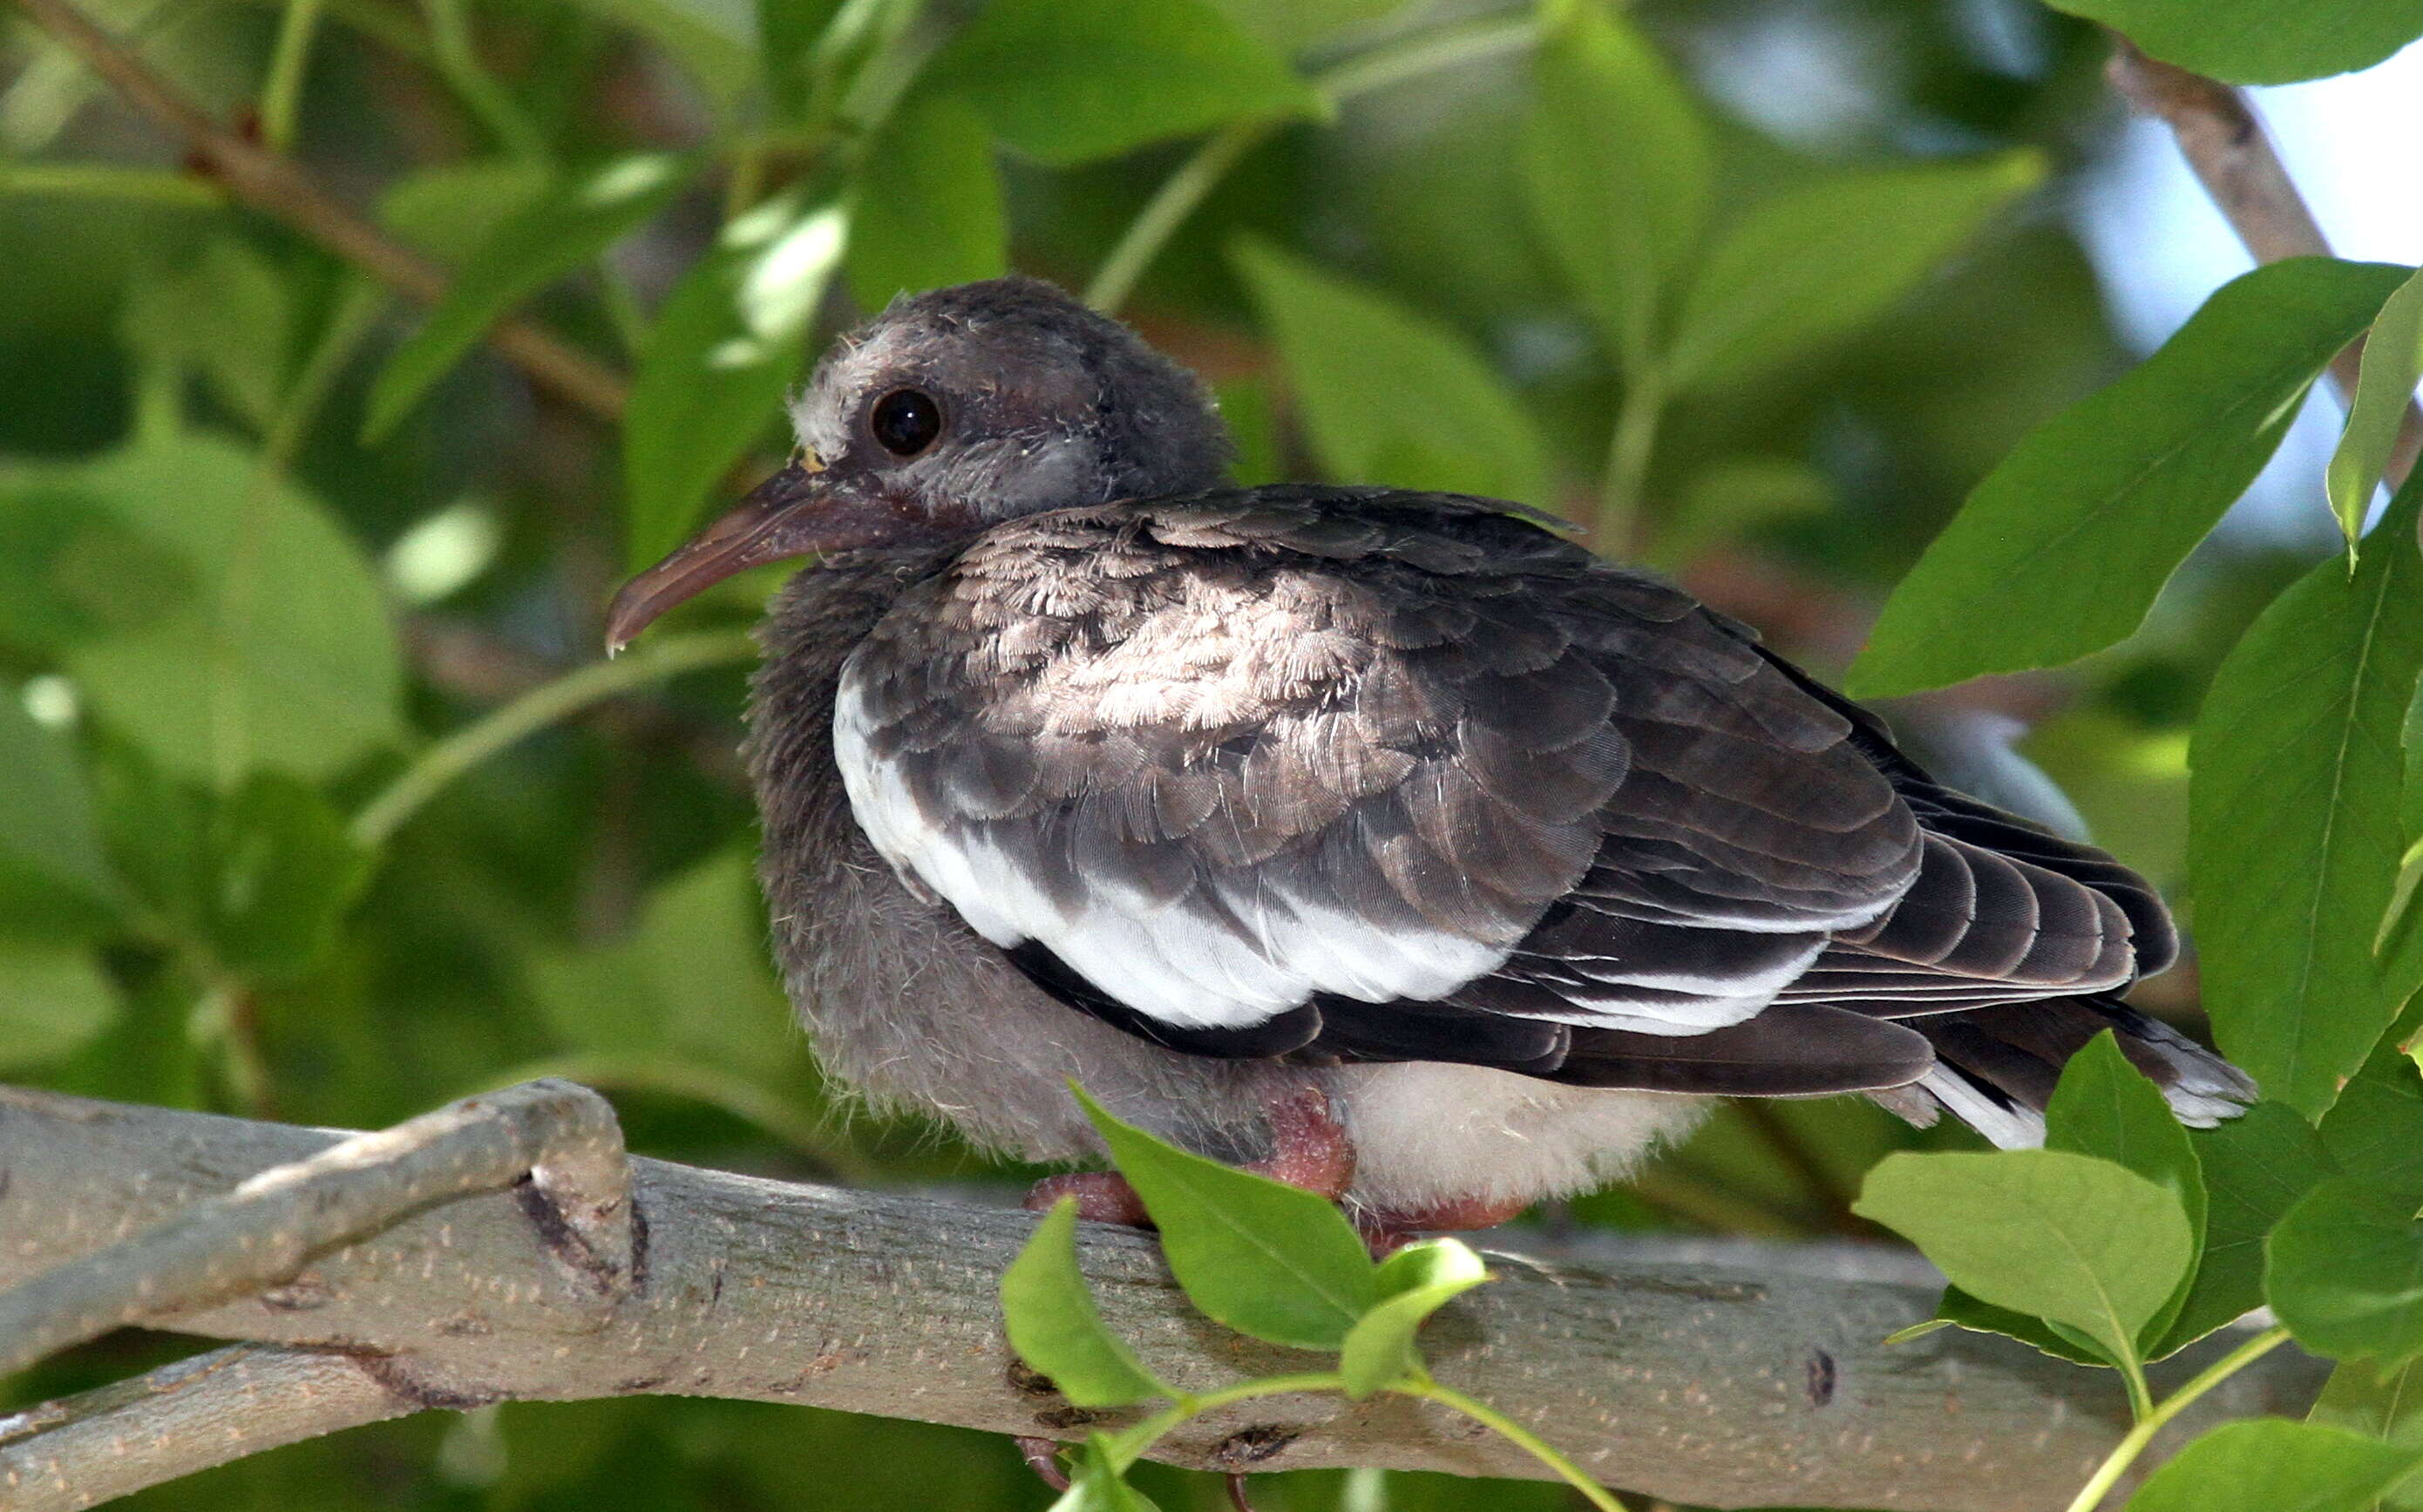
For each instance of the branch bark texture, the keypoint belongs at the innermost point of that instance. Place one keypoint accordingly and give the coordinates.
(1729, 1376)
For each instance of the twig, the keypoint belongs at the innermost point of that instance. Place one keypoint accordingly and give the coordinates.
(534, 711)
(275, 184)
(2231, 154)
(181, 1418)
(1735, 1374)
(563, 1138)
(1194, 179)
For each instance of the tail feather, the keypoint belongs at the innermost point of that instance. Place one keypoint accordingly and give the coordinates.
(1996, 1067)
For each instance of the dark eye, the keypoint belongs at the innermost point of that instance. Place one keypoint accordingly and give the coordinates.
(906, 421)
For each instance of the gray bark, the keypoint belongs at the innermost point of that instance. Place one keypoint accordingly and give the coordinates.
(1729, 1375)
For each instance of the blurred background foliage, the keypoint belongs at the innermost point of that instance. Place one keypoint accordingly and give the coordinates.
(304, 821)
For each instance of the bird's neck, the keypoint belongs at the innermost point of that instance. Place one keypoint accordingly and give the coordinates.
(814, 623)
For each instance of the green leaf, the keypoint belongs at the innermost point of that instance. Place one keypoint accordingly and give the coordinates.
(53, 1000)
(450, 210)
(2359, 1400)
(1816, 263)
(2393, 364)
(2105, 1107)
(691, 985)
(228, 317)
(2346, 1273)
(710, 39)
(2061, 549)
(53, 874)
(1413, 1282)
(1616, 168)
(71, 570)
(283, 656)
(528, 251)
(1096, 1484)
(2374, 1132)
(2273, 1465)
(2258, 41)
(2255, 1166)
(1291, 25)
(1055, 1328)
(939, 226)
(283, 872)
(2295, 827)
(1730, 498)
(1963, 1311)
(1069, 80)
(1260, 1256)
(1389, 396)
(729, 340)
(2065, 1237)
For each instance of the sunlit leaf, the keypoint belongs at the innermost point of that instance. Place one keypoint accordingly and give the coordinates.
(2105, 1107)
(2393, 364)
(2294, 805)
(1056, 1329)
(2063, 549)
(1263, 1258)
(1389, 396)
(284, 655)
(1069, 80)
(2065, 1237)
(1415, 1283)
(2272, 1465)
(55, 999)
(1616, 168)
(731, 339)
(938, 226)
(2257, 41)
(532, 248)
(1818, 262)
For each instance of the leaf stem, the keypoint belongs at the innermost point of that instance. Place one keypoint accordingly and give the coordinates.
(2124, 1453)
(1616, 526)
(1186, 189)
(1129, 1446)
(542, 706)
(281, 92)
(1523, 1438)
(458, 61)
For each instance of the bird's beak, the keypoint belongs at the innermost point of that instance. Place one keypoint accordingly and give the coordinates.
(793, 513)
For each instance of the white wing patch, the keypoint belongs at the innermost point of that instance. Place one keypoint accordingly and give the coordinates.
(1264, 950)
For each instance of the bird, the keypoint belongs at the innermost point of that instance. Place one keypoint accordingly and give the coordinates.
(1386, 842)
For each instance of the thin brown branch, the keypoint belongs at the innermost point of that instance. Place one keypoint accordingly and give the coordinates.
(2225, 143)
(277, 185)
(561, 1137)
(1733, 1373)
(189, 1416)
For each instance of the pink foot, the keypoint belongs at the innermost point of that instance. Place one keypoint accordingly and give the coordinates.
(1102, 1197)
(1385, 1231)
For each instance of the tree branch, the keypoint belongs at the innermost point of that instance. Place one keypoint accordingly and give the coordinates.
(1736, 1375)
(562, 1138)
(2231, 154)
(277, 185)
(182, 1418)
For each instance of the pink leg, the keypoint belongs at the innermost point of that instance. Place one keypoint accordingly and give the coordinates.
(1388, 1230)
(1102, 1197)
